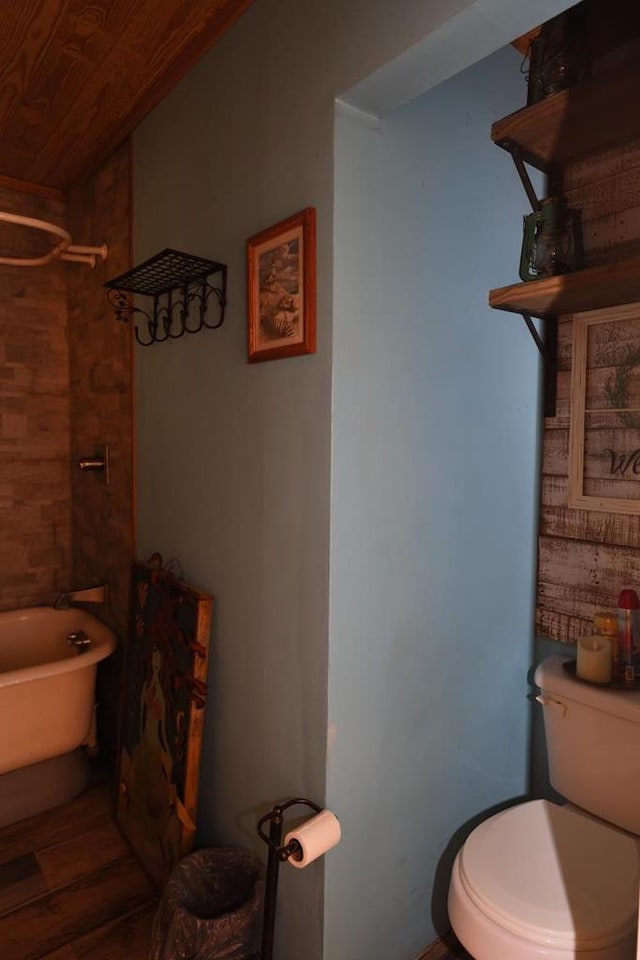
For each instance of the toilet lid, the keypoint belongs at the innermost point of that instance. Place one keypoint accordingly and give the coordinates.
(553, 876)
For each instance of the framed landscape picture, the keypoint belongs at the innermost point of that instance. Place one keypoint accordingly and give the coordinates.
(604, 444)
(281, 289)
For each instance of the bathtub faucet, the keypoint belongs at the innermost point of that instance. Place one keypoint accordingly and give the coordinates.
(98, 594)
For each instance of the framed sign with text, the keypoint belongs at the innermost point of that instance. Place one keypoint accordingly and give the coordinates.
(604, 443)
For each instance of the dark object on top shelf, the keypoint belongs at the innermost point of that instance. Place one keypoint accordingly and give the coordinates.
(552, 242)
(178, 283)
(592, 116)
(559, 54)
(614, 34)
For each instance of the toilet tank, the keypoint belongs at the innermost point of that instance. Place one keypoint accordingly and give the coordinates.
(593, 743)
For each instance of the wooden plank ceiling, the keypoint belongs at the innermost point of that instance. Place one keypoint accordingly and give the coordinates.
(77, 76)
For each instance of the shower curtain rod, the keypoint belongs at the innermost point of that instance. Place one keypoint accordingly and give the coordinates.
(64, 249)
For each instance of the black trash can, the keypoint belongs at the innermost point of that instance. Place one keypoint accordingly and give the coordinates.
(211, 908)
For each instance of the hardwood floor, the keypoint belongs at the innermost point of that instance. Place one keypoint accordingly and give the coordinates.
(447, 948)
(70, 888)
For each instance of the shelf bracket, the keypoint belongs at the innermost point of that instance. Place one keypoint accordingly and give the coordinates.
(525, 179)
(520, 157)
(547, 344)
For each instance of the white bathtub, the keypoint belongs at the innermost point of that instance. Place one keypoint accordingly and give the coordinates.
(46, 685)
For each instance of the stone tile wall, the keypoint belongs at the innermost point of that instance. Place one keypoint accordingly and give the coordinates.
(35, 490)
(65, 389)
(100, 362)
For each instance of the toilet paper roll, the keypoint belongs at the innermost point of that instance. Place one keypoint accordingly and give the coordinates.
(315, 837)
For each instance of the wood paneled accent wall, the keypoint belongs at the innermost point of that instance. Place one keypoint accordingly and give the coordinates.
(78, 77)
(586, 557)
(35, 485)
(100, 356)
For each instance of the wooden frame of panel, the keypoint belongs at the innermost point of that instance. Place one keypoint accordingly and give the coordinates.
(583, 323)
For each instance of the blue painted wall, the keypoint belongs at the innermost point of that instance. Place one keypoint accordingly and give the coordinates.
(234, 468)
(433, 497)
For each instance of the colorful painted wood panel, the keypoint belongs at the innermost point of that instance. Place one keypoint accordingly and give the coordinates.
(164, 695)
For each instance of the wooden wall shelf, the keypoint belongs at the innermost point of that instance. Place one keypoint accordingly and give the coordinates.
(592, 289)
(591, 116)
(588, 118)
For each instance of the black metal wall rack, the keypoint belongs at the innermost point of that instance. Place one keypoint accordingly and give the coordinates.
(181, 290)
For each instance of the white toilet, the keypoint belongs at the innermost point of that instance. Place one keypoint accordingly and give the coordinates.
(541, 880)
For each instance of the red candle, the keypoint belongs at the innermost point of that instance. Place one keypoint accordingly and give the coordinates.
(628, 607)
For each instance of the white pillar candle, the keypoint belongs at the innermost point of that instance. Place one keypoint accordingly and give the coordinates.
(594, 659)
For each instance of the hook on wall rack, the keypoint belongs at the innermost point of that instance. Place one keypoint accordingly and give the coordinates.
(179, 285)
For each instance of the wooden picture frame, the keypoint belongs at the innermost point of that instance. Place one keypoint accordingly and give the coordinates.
(164, 692)
(604, 436)
(281, 289)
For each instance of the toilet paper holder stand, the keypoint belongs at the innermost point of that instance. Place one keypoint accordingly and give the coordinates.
(278, 853)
